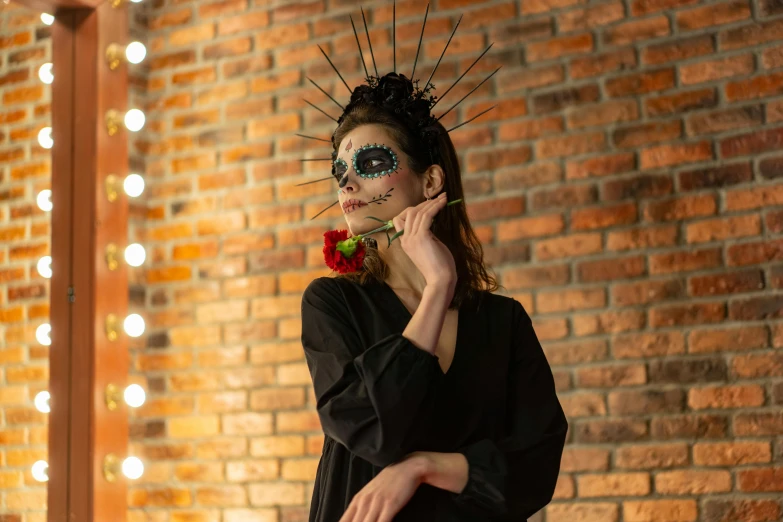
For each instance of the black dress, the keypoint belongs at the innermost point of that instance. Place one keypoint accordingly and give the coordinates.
(379, 398)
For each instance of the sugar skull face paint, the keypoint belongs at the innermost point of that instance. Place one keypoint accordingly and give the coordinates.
(372, 161)
(339, 167)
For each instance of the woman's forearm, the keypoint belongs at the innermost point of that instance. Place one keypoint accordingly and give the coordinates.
(424, 328)
(447, 471)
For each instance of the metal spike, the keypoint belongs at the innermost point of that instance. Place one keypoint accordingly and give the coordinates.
(470, 120)
(319, 109)
(326, 93)
(421, 36)
(463, 74)
(369, 42)
(315, 181)
(324, 210)
(361, 55)
(471, 92)
(314, 138)
(394, 34)
(335, 70)
(444, 52)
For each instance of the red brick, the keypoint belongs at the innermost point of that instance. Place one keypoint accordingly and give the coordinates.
(611, 376)
(646, 133)
(640, 83)
(752, 143)
(722, 229)
(673, 455)
(723, 120)
(717, 69)
(570, 145)
(558, 100)
(613, 485)
(633, 402)
(610, 430)
(670, 155)
(558, 47)
(725, 397)
(681, 102)
(742, 510)
(599, 64)
(684, 261)
(678, 50)
(713, 15)
(583, 512)
(572, 352)
(583, 405)
(757, 308)
(535, 6)
(760, 480)
(531, 277)
(530, 129)
(643, 7)
(514, 229)
(568, 246)
(647, 292)
(751, 35)
(568, 196)
(584, 459)
(689, 426)
(603, 114)
(772, 58)
(600, 166)
(531, 77)
(692, 482)
(609, 270)
(731, 453)
(769, 196)
(655, 510)
(567, 300)
(636, 30)
(758, 87)
(680, 208)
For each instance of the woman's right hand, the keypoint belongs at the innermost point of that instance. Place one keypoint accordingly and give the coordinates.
(428, 253)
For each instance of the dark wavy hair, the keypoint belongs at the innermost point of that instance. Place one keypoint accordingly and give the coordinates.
(451, 225)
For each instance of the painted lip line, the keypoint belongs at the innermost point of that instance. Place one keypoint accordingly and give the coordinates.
(353, 204)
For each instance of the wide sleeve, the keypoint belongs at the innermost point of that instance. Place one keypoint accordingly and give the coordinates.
(513, 477)
(367, 396)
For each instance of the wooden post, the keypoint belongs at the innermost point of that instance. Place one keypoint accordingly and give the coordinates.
(84, 290)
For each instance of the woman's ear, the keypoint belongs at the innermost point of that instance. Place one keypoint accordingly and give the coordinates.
(434, 180)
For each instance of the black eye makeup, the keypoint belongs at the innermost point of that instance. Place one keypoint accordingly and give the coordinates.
(372, 161)
(339, 167)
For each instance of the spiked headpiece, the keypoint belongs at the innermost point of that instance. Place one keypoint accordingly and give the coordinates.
(396, 94)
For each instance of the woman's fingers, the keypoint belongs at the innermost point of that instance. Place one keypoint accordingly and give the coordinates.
(423, 219)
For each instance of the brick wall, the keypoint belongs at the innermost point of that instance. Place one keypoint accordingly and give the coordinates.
(25, 170)
(627, 191)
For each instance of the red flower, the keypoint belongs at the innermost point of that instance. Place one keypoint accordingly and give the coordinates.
(336, 243)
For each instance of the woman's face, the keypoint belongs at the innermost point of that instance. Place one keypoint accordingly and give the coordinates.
(374, 178)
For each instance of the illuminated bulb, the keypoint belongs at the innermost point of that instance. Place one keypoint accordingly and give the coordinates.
(45, 73)
(47, 19)
(134, 396)
(133, 185)
(41, 471)
(132, 468)
(134, 120)
(133, 325)
(44, 200)
(135, 52)
(45, 138)
(44, 266)
(42, 402)
(43, 334)
(135, 254)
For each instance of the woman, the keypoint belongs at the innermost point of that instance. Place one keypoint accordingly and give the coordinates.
(434, 394)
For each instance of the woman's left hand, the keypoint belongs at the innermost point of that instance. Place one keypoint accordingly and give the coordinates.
(386, 494)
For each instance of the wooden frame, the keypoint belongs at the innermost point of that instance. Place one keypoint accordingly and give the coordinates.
(84, 291)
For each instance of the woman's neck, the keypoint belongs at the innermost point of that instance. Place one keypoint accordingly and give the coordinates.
(403, 273)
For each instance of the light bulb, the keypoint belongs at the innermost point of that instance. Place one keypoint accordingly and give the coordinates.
(43, 334)
(44, 200)
(132, 468)
(45, 138)
(47, 18)
(135, 52)
(41, 402)
(44, 266)
(133, 185)
(134, 120)
(133, 325)
(41, 471)
(45, 73)
(134, 396)
(135, 254)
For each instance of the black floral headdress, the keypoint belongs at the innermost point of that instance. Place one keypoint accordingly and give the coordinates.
(398, 95)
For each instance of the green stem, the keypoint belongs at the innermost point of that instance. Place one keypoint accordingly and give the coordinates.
(389, 224)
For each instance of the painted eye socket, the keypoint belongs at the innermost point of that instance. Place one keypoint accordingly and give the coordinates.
(339, 168)
(372, 161)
